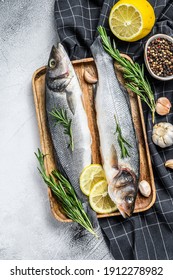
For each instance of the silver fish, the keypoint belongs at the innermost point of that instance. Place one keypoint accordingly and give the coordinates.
(63, 92)
(112, 101)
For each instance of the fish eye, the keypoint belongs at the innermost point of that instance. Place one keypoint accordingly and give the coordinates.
(129, 199)
(52, 63)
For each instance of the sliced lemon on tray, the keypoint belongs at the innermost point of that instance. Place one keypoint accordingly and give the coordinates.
(90, 175)
(99, 198)
(131, 20)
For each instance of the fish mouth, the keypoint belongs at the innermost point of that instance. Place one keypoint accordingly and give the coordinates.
(59, 77)
(64, 75)
(123, 212)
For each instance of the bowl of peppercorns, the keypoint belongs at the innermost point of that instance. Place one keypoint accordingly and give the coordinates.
(158, 56)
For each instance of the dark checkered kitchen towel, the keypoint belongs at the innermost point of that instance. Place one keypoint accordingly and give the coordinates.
(147, 235)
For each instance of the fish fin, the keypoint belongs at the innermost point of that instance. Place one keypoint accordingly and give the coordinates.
(71, 101)
(113, 157)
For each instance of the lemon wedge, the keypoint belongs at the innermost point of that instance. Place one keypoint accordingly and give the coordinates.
(90, 175)
(99, 198)
(131, 20)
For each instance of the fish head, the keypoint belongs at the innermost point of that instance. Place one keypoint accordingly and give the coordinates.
(58, 73)
(123, 191)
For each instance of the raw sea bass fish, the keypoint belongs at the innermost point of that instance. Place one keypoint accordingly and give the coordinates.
(63, 92)
(112, 101)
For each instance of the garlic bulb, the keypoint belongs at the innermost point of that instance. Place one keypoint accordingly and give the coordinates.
(163, 134)
(145, 188)
(163, 106)
(169, 163)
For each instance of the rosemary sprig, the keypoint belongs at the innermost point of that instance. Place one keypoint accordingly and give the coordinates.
(133, 72)
(60, 116)
(65, 194)
(121, 141)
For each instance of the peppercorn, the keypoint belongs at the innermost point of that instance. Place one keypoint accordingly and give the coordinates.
(160, 57)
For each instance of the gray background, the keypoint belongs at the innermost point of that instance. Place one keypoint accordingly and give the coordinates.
(27, 228)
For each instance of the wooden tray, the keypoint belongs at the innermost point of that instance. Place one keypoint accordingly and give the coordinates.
(146, 173)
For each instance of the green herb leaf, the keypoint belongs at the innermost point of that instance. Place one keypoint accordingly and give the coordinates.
(121, 141)
(60, 116)
(66, 195)
(133, 72)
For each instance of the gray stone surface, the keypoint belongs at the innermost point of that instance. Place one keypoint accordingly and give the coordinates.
(27, 227)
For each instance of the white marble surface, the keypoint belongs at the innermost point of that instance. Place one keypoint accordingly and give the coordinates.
(27, 227)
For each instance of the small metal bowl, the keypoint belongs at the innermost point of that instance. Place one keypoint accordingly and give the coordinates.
(146, 60)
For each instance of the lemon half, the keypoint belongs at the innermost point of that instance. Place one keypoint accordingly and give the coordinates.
(131, 20)
(100, 200)
(90, 175)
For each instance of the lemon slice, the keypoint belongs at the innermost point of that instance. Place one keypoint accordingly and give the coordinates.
(90, 175)
(131, 20)
(100, 200)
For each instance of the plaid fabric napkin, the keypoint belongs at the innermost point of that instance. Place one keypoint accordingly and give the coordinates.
(147, 235)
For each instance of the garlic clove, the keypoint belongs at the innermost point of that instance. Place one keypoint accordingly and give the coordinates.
(161, 142)
(160, 130)
(145, 188)
(170, 134)
(155, 138)
(170, 131)
(163, 106)
(89, 78)
(167, 140)
(169, 163)
(167, 125)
